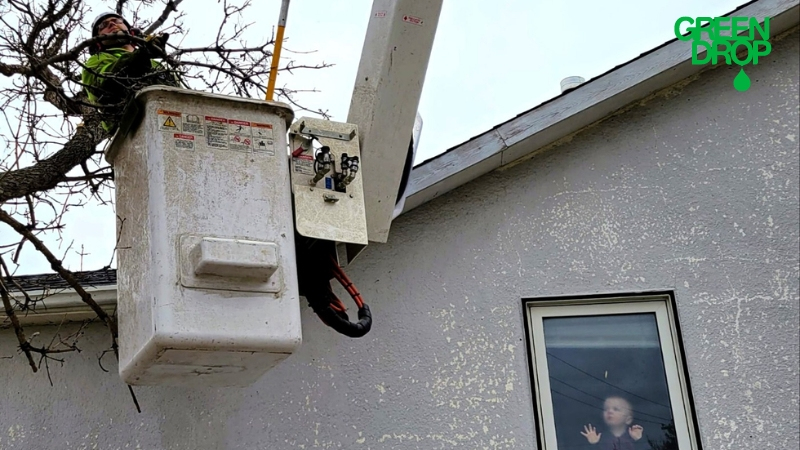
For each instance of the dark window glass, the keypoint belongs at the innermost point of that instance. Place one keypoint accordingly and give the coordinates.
(608, 383)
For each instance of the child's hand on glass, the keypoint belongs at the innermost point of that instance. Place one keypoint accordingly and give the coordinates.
(591, 434)
(636, 432)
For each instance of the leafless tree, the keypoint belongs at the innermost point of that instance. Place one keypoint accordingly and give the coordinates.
(51, 161)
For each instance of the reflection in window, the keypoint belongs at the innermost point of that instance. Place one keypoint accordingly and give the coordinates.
(608, 382)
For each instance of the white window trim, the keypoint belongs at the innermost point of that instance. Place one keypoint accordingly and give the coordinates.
(661, 305)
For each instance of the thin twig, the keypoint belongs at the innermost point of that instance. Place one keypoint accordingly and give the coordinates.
(12, 316)
(16, 284)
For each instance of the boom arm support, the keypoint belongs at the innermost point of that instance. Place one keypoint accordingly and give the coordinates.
(386, 97)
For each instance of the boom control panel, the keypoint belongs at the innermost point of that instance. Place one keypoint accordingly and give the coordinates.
(326, 182)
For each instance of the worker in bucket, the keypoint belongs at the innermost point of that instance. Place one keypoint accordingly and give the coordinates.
(129, 66)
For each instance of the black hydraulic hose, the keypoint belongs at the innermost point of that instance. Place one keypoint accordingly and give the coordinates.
(314, 273)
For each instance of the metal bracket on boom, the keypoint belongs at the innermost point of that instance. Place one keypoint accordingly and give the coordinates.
(314, 132)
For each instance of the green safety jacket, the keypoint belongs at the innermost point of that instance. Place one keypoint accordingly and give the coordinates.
(134, 70)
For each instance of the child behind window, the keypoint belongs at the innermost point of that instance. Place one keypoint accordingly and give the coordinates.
(620, 434)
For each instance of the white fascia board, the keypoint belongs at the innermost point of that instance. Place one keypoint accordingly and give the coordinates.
(63, 305)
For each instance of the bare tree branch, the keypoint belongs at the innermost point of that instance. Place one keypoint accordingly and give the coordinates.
(48, 173)
(172, 5)
(28, 301)
(120, 6)
(23, 341)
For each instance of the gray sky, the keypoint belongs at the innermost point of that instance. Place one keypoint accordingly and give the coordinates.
(490, 62)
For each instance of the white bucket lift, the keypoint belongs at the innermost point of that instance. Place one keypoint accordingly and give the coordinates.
(207, 267)
(207, 278)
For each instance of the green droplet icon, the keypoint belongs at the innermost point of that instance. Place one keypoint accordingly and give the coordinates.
(742, 81)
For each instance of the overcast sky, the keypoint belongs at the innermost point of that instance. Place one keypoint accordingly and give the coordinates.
(491, 60)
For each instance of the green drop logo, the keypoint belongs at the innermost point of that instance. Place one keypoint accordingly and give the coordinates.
(742, 81)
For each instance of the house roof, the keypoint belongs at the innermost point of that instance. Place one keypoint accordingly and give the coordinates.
(53, 281)
(557, 119)
(54, 302)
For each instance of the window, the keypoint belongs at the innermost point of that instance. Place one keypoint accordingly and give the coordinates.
(608, 374)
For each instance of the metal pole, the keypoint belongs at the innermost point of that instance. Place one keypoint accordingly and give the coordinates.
(276, 55)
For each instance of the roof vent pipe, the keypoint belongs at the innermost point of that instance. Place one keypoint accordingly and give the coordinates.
(570, 83)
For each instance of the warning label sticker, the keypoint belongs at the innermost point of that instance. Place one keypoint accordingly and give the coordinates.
(262, 138)
(193, 124)
(239, 127)
(304, 164)
(240, 136)
(241, 143)
(264, 145)
(216, 132)
(184, 141)
(169, 120)
(412, 20)
(261, 130)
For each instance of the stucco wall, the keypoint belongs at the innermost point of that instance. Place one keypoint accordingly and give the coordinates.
(697, 192)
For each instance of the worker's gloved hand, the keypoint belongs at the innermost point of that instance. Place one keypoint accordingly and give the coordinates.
(157, 44)
(118, 39)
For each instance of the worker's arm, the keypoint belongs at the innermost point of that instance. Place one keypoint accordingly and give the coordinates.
(164, 76)
(94, 67)
(161, 74)
(127, 69)
(123, 68)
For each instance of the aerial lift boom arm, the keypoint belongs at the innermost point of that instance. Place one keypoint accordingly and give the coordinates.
(347, 178)
(388, 86)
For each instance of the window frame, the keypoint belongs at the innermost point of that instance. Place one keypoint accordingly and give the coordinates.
(661, 303)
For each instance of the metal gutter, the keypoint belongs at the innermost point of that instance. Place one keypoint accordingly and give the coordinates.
(54, 308)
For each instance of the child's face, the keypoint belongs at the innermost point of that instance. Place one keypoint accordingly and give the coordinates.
(616, 412)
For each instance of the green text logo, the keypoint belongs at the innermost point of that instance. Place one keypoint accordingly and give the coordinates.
(727, 42)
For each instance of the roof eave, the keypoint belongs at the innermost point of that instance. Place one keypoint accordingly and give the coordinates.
(64, 305)
(569, 113)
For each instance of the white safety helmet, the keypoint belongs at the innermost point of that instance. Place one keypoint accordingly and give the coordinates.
(103, 16)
